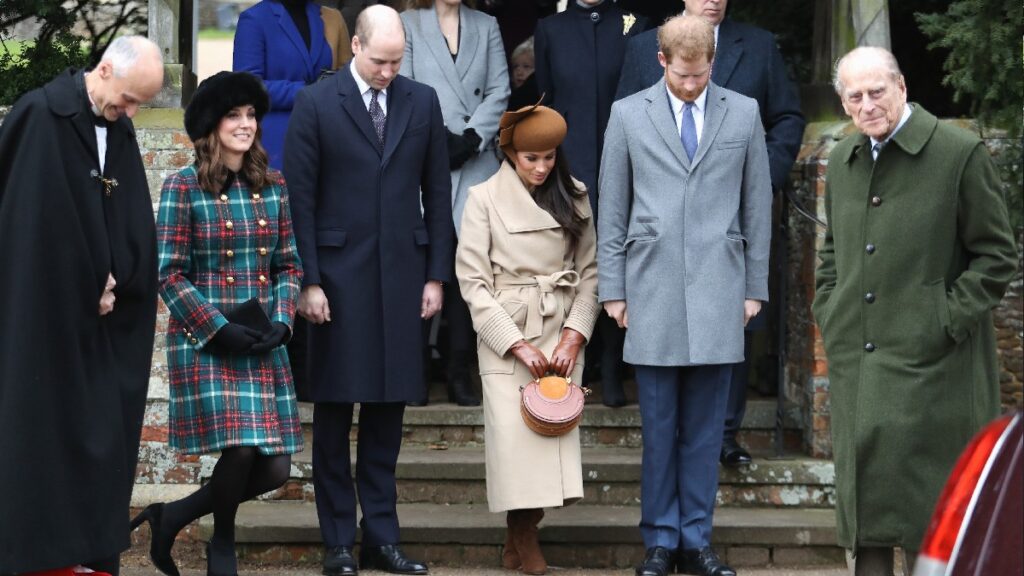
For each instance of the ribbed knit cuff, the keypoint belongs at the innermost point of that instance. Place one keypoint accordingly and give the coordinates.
(500, 333)
(582, 317)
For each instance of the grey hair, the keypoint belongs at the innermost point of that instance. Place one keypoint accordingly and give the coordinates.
(124, 52)
(883, 56)
(525, 47)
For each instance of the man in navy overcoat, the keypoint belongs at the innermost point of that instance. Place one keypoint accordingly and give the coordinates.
(364, 147)
(747, 61)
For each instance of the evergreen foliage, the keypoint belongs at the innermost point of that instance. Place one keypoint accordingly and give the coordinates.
(985, 58)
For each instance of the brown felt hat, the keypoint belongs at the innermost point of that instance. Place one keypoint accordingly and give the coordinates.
(531, 128)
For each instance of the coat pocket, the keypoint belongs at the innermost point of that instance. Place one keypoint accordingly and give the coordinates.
(331, 237)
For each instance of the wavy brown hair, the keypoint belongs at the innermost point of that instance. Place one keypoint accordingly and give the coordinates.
(212, 171)
(558, 195)
(420, 4)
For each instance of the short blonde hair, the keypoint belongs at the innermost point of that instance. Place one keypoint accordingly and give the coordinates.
(688, 37)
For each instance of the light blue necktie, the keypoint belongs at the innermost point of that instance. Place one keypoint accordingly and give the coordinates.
(689, 132)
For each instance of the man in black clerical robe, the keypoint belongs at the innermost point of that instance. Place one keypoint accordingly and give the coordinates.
(78, 281)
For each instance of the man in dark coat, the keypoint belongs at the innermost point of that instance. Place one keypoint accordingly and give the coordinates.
(918, 251)
(577, 62)
(364, 147)
(747, 61)
(78, 300)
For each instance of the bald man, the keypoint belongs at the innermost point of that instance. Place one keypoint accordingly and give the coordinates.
(79, 307)
(364, 148)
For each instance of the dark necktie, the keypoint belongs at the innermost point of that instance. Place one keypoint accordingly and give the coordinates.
(377, 116)
(689, 132)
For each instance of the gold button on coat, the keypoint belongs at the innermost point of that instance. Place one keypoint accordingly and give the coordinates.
(262, 223)
(255, 196)
(263, 279)
(229, 225)
(230, 253)
(223, 197)
(263, 251)
(231, 279)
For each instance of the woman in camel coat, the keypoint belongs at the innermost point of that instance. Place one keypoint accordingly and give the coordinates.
(526, 266)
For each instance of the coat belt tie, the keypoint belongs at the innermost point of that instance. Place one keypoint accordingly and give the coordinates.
(542, 302)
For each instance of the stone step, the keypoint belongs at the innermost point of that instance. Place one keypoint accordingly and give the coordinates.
(445, 423)
(611, 476)
(578, 536)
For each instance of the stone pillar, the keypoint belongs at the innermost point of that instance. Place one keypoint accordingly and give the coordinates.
(173, 25)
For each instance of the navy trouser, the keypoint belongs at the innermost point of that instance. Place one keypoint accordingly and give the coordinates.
(682, 409)
(378, 443)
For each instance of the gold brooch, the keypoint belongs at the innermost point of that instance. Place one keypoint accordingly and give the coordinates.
(627, 22)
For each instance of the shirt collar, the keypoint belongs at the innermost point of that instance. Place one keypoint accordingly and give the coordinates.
(677, 104)
(362, 85)
(903, 120)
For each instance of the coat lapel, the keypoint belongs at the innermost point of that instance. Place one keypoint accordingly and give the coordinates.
(399, 113)
(516, 209)
(284, 21)
(352, 102)
(727, 53)
(468, 40)
(439, 48)
(659, 111)
(714, 112)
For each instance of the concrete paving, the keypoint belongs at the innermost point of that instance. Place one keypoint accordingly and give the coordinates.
(554, 571)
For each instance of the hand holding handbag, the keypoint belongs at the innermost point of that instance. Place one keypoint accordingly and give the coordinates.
(552, 405)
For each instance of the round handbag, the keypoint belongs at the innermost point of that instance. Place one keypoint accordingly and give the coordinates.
(552, 405)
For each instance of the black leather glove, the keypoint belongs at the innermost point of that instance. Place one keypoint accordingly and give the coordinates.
(277, 336)
(458, 151)
(472, 139)
(233, 339)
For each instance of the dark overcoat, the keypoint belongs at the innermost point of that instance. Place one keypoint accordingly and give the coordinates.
(577, 61)
(268, 44)
(72, 383)
(363, 236)
(748, 61)
(918, 251)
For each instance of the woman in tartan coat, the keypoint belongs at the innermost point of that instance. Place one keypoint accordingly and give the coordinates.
(225, 236)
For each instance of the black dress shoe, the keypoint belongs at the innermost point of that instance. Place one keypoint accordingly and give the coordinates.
(339, 561)
(417, 403)
(703, 562)
(657, 562)
(733, 455)
(389, 558)
(160, 544)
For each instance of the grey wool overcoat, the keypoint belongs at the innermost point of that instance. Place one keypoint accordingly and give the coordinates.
(684, 243)
(473, 89)
(918, 250)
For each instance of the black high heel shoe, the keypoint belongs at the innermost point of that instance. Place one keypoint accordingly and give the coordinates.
(159, 546)
(210, 571)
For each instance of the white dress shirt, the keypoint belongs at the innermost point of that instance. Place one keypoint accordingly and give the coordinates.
(698, 111)
(364, 89)
(875, 147)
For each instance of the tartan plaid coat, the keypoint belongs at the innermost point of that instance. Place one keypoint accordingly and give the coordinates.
(217, 251)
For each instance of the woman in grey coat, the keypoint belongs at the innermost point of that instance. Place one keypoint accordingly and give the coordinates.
(458, 51)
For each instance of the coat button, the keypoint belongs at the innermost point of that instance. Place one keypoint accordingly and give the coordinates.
(476, 92)
(263, 251)
(195, 341)
(230, 253)
(465, 118)
(262, 223)
(223, 197)
(256, 196)
(229, 225)
(876, 200)
(869, 347)
(230, 279)
(263, 279)
(869, 297)
(870, 248)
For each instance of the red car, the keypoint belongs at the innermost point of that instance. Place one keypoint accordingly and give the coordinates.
(978, 525)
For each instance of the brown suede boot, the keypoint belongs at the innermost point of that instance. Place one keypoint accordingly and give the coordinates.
(509, 555)
(524, 538)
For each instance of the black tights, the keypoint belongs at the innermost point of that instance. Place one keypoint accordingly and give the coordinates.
(241, 474)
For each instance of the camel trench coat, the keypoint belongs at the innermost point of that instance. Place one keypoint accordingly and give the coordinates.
(522, 280)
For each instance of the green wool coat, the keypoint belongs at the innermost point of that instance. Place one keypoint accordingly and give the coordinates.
(918, 250)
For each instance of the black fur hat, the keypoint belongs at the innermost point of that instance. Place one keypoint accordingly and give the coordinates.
(217, 95)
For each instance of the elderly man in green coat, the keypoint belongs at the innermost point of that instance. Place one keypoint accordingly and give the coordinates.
(918, 250)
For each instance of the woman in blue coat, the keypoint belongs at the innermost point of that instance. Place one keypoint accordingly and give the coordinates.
(287, 43)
